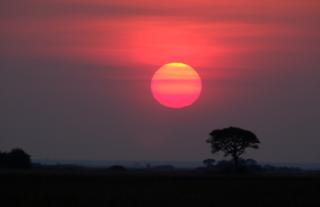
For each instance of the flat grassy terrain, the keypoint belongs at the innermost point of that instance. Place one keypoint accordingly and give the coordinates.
(133, 188)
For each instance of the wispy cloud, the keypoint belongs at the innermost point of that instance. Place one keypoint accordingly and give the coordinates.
(112, 30)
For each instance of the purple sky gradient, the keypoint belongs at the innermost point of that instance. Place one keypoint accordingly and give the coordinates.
(75, 77)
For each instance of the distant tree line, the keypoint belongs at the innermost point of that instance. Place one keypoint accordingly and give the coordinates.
(244, 166)
(15, 159)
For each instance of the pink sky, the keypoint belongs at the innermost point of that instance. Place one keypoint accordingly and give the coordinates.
(259, 61)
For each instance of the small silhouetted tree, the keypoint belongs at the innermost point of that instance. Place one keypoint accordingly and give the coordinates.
(19, 159)
(232, 142)
(16, 159)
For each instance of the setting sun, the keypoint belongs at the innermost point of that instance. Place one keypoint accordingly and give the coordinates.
(176, 85)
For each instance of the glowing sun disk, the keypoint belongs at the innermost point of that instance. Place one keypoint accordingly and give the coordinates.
(176, 85)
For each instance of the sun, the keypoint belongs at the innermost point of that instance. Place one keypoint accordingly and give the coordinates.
(176, 85)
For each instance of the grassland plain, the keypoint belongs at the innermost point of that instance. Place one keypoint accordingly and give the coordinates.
(61, 188)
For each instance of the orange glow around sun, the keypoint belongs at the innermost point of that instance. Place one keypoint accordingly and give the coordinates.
(176, 85)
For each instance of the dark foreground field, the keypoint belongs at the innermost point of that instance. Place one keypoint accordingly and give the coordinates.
(39, 188)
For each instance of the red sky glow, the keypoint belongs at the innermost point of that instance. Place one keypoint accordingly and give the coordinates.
(75, 69)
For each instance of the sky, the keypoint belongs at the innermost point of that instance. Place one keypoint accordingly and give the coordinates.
(75, 77)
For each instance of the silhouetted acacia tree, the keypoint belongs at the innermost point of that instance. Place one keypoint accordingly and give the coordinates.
(16, 159)
(232, 142)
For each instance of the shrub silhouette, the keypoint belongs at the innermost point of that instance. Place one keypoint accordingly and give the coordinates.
(16, 159)
(117, 168)
(209, 163)
(245, 166)
(232, 142)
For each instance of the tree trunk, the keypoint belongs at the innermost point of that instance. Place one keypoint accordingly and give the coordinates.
(236, 162)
